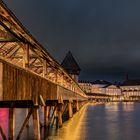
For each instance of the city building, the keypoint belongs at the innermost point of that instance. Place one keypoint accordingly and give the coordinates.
(114, 91)
(100, 90)
(86, 86)
(95, 90)
(131, 89)
(98, 86)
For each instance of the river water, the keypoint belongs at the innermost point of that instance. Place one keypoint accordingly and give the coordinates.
(112, 121)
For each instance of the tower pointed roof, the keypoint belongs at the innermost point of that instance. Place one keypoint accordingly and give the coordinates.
(70, 65)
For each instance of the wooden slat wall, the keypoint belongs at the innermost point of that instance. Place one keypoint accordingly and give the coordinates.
(19, 84)
(67, 94)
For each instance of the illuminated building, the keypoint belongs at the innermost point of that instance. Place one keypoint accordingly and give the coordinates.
(131, 90)
(114, 92)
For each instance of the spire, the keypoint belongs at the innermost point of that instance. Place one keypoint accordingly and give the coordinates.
(70, 64)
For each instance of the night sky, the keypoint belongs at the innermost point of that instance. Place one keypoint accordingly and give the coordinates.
(103, 35)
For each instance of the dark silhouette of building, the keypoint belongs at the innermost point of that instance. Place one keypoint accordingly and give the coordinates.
(70, 65)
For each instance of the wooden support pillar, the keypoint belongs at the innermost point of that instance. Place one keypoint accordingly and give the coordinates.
(11, 134)
(2, 134)
(36, 124)
(77, 106)
(46, 115)
(53, 115)
(27, 111)
(70, 109)
(59, 112)
(65, 108)
(1, 81)
(24, 124)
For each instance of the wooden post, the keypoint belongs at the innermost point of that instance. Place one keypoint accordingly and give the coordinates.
(53, 115)
(24, 124)
(56, 76)
(44, 68)
(77, 106)
(2, 134)
(70, 109)
(1, 81)
(46, 115)
(26, 56)
(25, 65)
(36, 124)
(27, 111)
(59, 111)
(11, 134)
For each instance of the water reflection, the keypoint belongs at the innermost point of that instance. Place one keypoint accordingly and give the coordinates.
(128, 106)
(112, 118)
(111, 107)
(113, 121)
(74, 129)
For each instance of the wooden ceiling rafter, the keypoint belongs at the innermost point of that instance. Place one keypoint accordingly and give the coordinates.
(2, 45)
(11, 50)
(5, 36)
(9, 28)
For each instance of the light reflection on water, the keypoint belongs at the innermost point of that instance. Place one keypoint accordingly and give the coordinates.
(74, 129)
(112, 121)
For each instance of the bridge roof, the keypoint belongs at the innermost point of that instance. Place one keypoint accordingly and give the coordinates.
(16, 36)
(15, 27)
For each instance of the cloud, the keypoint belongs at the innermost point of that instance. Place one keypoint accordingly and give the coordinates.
(104, 36)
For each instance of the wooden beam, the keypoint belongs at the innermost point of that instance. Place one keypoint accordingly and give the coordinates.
(8, 40)
(24, 124)
(56, 76)
(14, 50)
(26, 56)
(16, 104)
(36, 123)
(2, 45)
(77, 106)
(11, 134)
(32, 60)
(27, 112)
(2, 134)
(70, 109)
(59, 112)
(65, 108)
(4, 25)
(42, 100)
(44, 68)
(1, 81)
(52, 116)
(46, 115)
(35, 66)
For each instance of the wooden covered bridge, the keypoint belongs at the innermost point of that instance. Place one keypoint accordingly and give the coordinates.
(30, 77)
